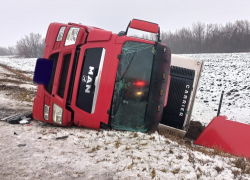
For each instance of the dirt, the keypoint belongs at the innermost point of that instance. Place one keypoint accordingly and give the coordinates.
(15, 87)
(19, 73)
(195, 129)
(19, 93)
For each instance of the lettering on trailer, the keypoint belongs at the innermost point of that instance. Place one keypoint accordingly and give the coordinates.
(88, 79)
(184, 101)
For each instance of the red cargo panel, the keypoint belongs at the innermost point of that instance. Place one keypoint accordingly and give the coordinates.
(232, 137)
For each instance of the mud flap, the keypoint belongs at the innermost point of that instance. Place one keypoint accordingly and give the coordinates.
(229, 136)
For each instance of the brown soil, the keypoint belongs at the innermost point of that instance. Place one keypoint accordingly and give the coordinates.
(18, 93)
(17, 72)
(10, 80)
(194, 130)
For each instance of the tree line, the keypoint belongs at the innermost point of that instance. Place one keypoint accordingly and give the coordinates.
(199, 38)
(30, 46)
(209, 38)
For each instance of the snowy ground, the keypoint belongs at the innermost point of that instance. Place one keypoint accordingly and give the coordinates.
(91, 154)
(231, 73)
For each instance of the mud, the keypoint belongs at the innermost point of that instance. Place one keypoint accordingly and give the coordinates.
(195, 129)
(18, 73)
(4, 112)
(18, 93)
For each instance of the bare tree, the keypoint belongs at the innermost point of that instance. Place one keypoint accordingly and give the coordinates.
(31, 46)
(210, 38)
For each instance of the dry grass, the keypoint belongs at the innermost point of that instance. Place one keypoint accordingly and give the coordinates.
(117, 144)
(241, 163)
(93, 149)
(17, 72)
(131, 165)
(127, 148)
(176, 171)
(163, 170)
(171, 135)
(218, 169)
(135, 135)
(153, 173)
(19, 93)
(179, 157)
(236, 173)
(171, 151)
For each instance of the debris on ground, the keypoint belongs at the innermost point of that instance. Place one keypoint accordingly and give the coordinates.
(18, 118)
(21, 145)
(62, 137)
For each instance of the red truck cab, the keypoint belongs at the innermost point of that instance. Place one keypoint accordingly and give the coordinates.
(101, 78)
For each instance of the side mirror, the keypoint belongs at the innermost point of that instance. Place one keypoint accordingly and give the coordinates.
(43, 71)
(144, 26)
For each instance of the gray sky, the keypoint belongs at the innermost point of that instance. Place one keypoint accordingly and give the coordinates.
(21, 17)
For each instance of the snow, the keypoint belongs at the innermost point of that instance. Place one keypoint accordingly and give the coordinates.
(24, 64)
(104, 154)
(231, 73)
(91, 154)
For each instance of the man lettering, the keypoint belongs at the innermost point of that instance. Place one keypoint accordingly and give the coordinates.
(87, 90)
(91, 69)
(89, 79)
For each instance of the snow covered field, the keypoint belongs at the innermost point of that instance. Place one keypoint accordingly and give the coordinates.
(23, 64)
(231, 73)
(91, 154)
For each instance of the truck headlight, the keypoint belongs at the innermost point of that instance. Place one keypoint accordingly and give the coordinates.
(60, 34)
(57, 114)
(71, 36)
(46, 112)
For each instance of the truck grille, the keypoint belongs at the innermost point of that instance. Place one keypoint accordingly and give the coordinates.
(178, 98)
(64, 74)
(54, 58)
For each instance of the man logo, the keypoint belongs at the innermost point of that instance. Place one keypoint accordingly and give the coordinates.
(84, 78)
(88, 79)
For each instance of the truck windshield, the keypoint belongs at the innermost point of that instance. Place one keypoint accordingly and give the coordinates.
(131, 89)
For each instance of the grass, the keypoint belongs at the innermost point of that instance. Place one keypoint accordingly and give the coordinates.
(171, 151)
(131, 165)
(235, 173)
(17, 72)
(241, 163)
(93, 149)
(153, 173)
(163, 170)
(176, 171)
(219, 169)
(135, 135)
(179, 157)
(117, 144)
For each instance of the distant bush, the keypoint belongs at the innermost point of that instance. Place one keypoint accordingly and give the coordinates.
(7, 51)
(31, 46)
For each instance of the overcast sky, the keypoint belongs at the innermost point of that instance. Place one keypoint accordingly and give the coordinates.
(21, 17)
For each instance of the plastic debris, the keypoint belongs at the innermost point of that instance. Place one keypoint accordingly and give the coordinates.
(62, 137)
(18, 118)
(21, 145)
(25, 121)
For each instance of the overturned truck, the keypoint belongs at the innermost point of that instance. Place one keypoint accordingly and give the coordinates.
(94, 78)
